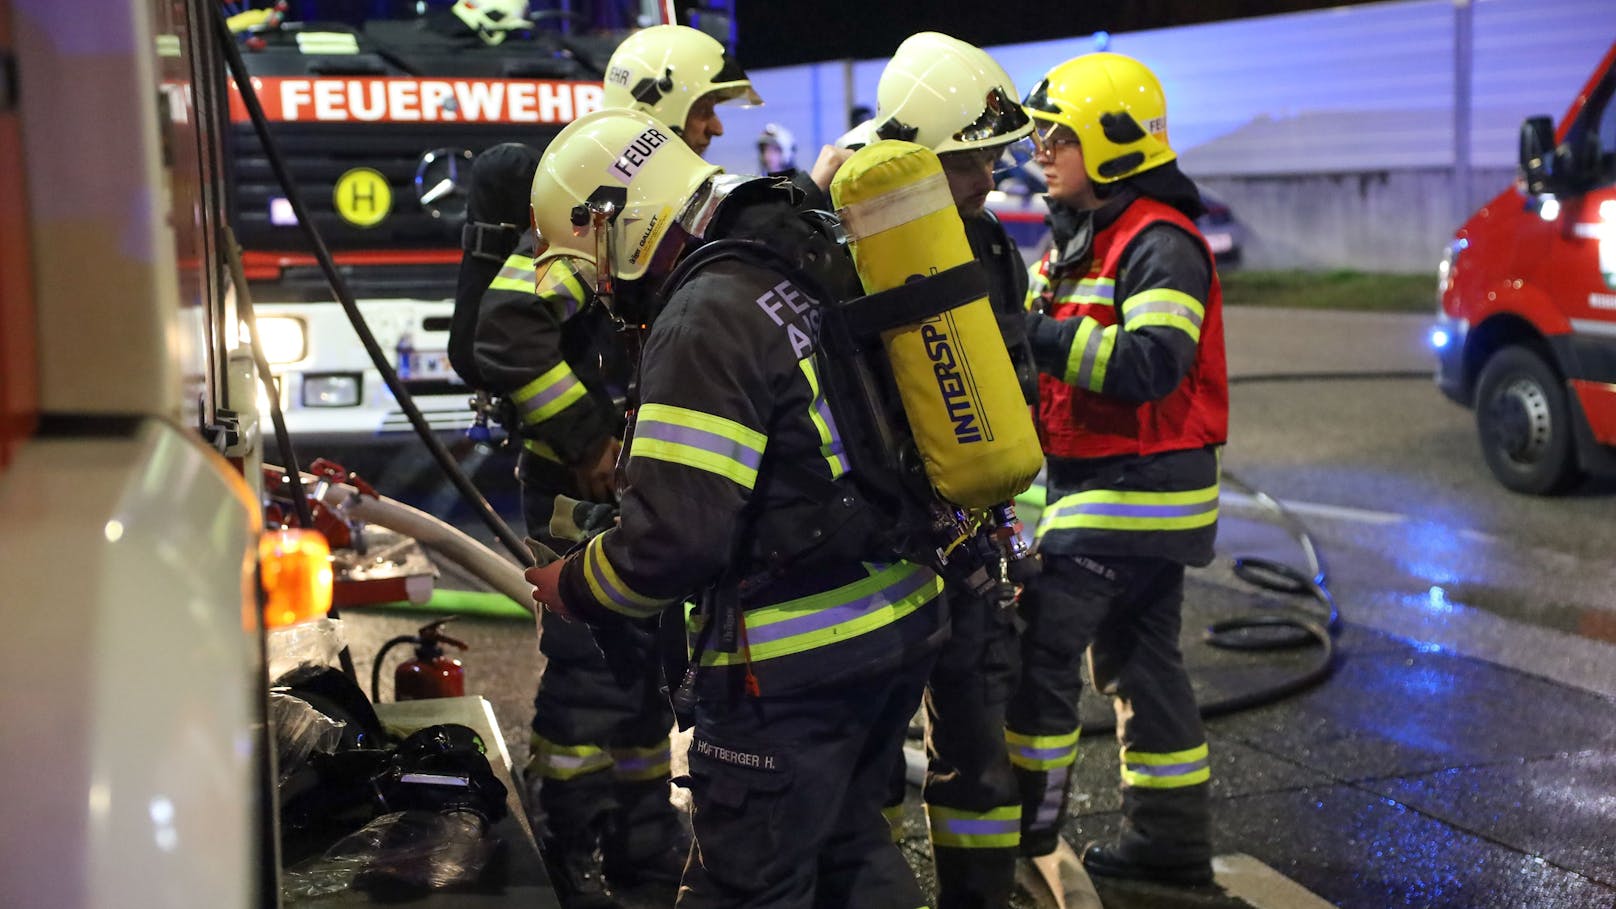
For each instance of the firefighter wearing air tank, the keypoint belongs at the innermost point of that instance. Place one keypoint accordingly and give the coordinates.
(953, 98)
(600, 744)
(808, 661)
(1125, 320)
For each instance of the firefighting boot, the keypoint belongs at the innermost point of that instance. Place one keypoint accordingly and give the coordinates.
(1109, 861)
(575, 872)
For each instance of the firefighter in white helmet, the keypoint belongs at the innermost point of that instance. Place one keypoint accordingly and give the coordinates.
(492, 20)
(1126, 327)
(953, 98)
(679, 76)
(777, 150)
(598, 773)
(810, 650)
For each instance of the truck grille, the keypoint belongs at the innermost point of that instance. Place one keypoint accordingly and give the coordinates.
(319, 153)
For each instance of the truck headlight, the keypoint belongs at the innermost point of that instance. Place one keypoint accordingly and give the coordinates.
(332, 389)
(284, 338)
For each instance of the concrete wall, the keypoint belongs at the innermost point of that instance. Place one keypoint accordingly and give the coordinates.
(1376, 221)
(1330, 133)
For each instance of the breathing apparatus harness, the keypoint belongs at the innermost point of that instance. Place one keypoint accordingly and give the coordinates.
(883, 508)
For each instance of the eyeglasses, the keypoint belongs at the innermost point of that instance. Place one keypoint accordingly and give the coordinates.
(1047, 142)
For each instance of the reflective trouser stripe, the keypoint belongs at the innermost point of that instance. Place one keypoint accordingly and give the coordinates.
(565, 762)
(648, 763)
(1111, 509)
(1042, 752)
(996, 828)
(1169, 770)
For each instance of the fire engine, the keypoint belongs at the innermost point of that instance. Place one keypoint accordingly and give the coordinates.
(379, 118)
(1526, 329)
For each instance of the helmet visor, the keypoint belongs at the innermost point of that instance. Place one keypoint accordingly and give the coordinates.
(730, 83)
(1001, 117)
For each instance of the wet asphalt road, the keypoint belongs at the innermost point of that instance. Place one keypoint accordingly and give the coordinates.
(1420, 544)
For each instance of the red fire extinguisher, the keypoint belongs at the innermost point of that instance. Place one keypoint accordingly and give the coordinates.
(430, 674)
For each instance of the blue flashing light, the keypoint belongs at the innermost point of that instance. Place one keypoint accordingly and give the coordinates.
(1102, 41)
(1440, 338)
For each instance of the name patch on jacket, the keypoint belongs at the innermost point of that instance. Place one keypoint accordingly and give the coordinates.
(736, 757)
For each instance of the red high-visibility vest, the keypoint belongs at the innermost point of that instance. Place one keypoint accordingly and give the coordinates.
(1078, 423)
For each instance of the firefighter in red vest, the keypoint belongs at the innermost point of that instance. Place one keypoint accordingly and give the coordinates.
(1125, 321)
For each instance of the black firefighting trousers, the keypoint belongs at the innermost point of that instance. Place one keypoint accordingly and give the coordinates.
(787, 793)
(1130, 610)
(973, 803)
(599, 747)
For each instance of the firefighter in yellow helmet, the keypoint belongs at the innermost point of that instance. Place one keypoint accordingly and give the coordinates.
(598, 775)
(810, 648)
(953, 98)
(1125, 321)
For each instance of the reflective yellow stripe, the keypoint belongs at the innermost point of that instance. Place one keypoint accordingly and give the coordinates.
(996, 828)
(700, 440)
(1088, 292)
(608, 587)
(548, 395)
(1166, 770)
(561, 287)
(1042, 752)
(1037, 283)
(1164, 307)
(1090, 354)
(542, 449)
(565, 762)
(884, 597)
(1112, 509)
(647, 763)
(516, 274)
(830, 440)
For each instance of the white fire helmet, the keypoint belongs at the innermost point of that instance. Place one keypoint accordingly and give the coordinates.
(665, 69)
(491, 19)
(613, 180)
(947, 95)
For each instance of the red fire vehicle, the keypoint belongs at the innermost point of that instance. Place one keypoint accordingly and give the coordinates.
(1526, 333)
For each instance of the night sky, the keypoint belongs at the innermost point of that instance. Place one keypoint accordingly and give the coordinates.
(783, 32)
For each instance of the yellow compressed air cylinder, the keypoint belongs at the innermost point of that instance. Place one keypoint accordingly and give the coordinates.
(954, 376)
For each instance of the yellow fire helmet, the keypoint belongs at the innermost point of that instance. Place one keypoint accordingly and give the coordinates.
(609, 186)
(1115, 106)
(491, 19)
(947, 95)
(665, 69)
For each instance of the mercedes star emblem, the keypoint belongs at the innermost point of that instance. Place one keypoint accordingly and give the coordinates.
(440, 182)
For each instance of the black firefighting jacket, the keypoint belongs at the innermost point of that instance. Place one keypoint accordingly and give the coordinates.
(550, 355)
(734, 429)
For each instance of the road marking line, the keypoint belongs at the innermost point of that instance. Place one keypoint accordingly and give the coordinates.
(1246, 878)
(1316, 509)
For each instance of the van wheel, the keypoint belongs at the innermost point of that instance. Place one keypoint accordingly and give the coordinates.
(1525, 423)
